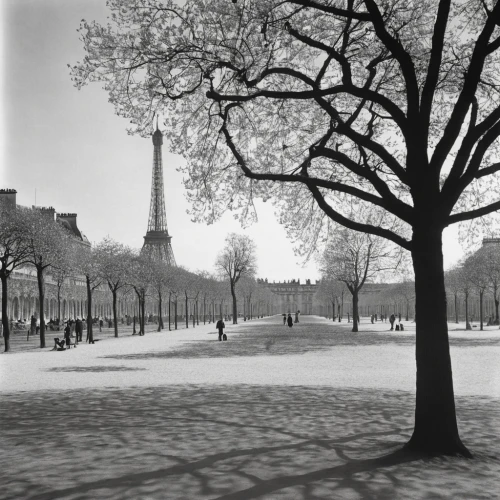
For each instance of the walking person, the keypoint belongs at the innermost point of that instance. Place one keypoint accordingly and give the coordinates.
(220, 326)
(392, 319)
(297, 316)
(284, 319)
(290, 320)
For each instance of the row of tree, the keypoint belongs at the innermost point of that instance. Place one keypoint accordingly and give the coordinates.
(32, 240)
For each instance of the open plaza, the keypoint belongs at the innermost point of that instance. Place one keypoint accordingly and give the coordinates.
(309, 412)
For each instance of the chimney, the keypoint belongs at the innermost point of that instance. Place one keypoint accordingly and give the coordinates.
(48, 211)
(8, 196)
(71, 220)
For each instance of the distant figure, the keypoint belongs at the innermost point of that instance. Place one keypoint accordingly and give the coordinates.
(372, 318)
(400, 317)
(284, 319)
(290, 320)
(78, 330)
(376, 316)
(67, 334)
(220, 326)
(392, 319)
(297, 316)
(397, 328)
(101, 323)
(401, 327)
(33, 324)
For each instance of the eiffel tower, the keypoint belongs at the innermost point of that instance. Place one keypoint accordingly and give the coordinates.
(157, 240)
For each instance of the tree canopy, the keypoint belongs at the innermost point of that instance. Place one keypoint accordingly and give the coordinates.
(390, 104)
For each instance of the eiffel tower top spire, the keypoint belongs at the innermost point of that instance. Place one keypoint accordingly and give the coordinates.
(157, 240)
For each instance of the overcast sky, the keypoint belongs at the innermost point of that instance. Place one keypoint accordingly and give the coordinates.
(70, 147)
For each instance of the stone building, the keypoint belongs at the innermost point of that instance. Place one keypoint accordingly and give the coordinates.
(292, 296)
(23, 288)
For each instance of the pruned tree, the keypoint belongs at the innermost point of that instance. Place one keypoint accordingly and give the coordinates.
(405, 290)
(14, 253)
(393, 104)
(331, 289)
(49, 244)
(466, 288)
(139, 277)
(490, 256)
(453, 282)
(237, 260)
(88, 265)
(477, 272)
(113, 260)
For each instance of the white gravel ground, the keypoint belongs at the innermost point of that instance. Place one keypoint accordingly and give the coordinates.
(310, 412)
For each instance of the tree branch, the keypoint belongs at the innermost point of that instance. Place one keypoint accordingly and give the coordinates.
(472, 214)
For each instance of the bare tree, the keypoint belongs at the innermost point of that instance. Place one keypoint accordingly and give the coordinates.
(237, 260)
(353, 258)
(477, 271)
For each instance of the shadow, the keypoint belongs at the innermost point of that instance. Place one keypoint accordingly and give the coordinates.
(235, 442)
(95, 369)
(271, 338)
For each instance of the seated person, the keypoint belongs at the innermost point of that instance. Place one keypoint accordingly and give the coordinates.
(59, 345)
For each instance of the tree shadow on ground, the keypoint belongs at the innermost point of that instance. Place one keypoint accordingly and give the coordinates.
(94, 369)
(235, 442)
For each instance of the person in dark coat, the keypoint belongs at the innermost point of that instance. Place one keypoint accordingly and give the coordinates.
(392, 319)
(297, 316)
(290, 320)
(67, 334)
(78, 329)
(33, 325)
(220, 326)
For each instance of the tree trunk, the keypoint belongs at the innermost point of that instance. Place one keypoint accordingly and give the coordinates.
(59, 305)
(187, 312)
(115, 316)
(5, 317)
(204, 310)
(497, 302)
(467, 324)
(169, 305)
(160, 320)
(456, 308)
(175, 312)
(481, 293)
(235, 305)
(436, 428)
(407, 310)
(143, 310)
(41, 299)
(194, 314)
(90, 333)
(355, 313)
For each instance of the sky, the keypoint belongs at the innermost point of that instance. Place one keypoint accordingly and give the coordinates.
(68, 149)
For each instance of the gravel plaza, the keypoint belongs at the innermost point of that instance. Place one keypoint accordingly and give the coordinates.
(309, 412)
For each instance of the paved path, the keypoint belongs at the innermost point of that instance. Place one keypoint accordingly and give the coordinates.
(312, 412)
